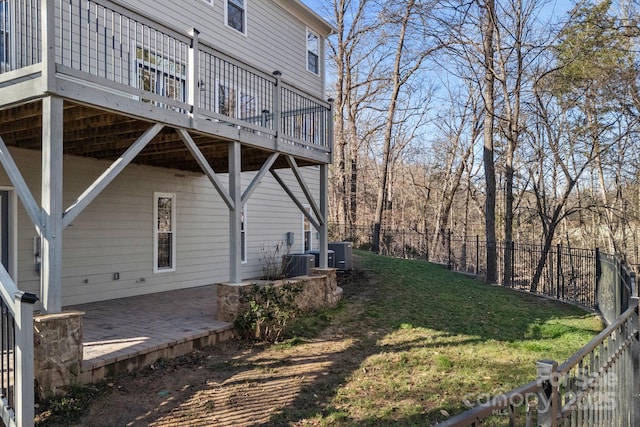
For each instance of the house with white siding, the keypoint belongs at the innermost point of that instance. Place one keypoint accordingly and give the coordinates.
(153, 145)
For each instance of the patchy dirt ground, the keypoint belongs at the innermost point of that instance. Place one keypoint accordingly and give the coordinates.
(235, 383)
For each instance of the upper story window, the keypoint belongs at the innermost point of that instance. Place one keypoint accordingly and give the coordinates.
(164, 232)
(5, 31)
(313, 53)
(236, 12)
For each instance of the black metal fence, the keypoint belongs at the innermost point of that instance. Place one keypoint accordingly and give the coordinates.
(588, 277)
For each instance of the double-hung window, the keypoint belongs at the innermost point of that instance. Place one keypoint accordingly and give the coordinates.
(5, 34)
(306, 232)
(313, 52)
(236, 12)
(164, 232)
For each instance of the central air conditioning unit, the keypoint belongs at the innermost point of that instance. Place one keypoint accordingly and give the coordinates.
(298, 264)
(343, 255)
(330, 261)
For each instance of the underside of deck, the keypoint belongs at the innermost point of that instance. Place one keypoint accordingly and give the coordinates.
(106, 135)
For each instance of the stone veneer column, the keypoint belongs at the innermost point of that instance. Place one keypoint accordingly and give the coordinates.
(58, 352)
(229, 300)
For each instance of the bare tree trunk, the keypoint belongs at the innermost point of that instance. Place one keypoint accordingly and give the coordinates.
(488, 152)
(397, 81)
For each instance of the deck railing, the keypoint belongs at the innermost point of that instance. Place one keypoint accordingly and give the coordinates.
(109, 46)
(16, 354)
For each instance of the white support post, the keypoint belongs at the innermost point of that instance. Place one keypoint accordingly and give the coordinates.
(48, 44)
(235, 212)
(52, 146)
(194, 76)
(24, 369)
(324, 223)
(277, 106)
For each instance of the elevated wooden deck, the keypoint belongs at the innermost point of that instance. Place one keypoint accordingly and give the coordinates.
(119, 73)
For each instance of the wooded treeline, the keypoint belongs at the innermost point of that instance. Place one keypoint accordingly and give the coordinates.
(509, 119)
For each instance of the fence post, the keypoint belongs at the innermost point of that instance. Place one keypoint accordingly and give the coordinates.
(597, 278)
(558, 271)
(548, 397)
(449, 265)
(513, 264)
(477, 254)
(635, 357)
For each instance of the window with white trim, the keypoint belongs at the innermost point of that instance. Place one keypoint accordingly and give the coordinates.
(306, 232)
(5, 32)
(243, 234)
(164, 232)
(313, 52)
(236, 15)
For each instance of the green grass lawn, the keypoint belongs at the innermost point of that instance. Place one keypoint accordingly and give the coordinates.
(424, 340)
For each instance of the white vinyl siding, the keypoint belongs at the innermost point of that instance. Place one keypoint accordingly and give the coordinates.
(164, 232)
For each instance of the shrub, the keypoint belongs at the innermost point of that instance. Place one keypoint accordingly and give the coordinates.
(270, 309)
(274, 261)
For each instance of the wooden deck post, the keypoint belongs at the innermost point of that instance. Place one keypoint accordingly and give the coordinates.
(235, 213)
(193, 97)
(324, 211)
(277, 107)
(52, 209)
(48, 43)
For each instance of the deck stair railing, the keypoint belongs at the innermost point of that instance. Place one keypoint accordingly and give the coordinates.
(16, 354)
(108, 46)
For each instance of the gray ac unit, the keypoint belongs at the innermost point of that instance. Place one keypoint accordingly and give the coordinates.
(331, 255)
(343, 257)
(299, 264)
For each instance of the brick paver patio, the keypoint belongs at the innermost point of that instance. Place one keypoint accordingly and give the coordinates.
(127, 329)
